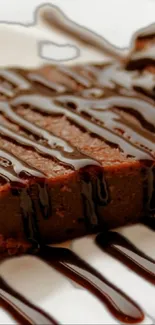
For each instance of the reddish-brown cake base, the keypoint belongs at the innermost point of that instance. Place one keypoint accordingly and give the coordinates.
(87, 146)
(67, 219)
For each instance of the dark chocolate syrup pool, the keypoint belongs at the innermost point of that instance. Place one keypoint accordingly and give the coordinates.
(99, 100)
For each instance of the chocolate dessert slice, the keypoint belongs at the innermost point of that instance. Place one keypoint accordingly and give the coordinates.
(77, 153)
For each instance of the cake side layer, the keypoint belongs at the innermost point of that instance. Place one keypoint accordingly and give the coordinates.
(64, 194)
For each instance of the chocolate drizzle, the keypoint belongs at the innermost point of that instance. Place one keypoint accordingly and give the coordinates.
(106, 119)
(73, 267)
(56, 19)
(54, 107)
(114, 103)
(20, 308)
(120, 248)
(29, 216)
(45, 85)
(94, 194)
(16, 166)
(68, 263)
(121, 117)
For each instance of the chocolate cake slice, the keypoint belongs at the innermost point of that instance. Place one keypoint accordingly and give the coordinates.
(77, 153)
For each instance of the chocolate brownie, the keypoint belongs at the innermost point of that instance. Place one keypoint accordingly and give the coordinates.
(77, 152)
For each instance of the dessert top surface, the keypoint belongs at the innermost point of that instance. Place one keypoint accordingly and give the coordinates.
(71, 117)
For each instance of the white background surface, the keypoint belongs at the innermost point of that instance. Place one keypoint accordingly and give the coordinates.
(116, 20)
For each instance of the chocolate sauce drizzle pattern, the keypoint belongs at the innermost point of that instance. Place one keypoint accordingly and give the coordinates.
(105, 117)
(76, 269)
(122, 249)
(105, 94)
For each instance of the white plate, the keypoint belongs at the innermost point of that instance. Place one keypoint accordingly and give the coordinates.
(68, 303)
